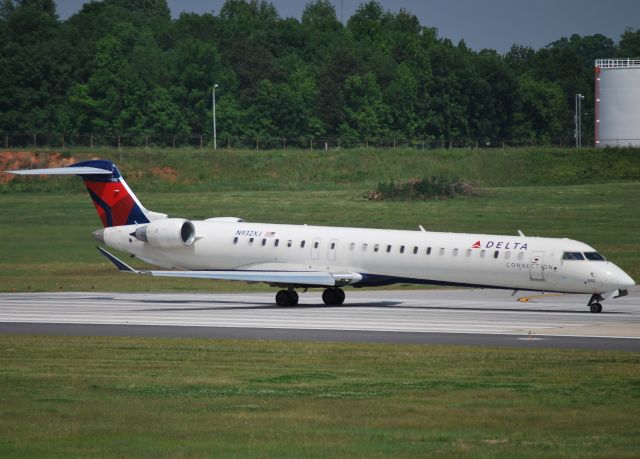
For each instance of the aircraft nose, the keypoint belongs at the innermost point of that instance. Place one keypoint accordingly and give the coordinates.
(619, 278)
(627, 281)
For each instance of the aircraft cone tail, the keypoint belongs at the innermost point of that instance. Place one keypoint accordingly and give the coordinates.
(115, 203)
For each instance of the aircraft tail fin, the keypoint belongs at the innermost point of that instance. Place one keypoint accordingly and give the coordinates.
(114, 201)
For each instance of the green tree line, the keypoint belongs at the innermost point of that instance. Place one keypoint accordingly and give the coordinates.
(127, 67)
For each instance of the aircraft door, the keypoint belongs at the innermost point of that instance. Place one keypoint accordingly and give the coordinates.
(536, 270)
(315, 248)
(331, 254)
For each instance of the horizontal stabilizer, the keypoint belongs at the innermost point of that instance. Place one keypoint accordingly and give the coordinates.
(318, 278)
(63, 171)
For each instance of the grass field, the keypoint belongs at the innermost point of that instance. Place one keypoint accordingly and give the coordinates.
(194, 170)
(125, 397)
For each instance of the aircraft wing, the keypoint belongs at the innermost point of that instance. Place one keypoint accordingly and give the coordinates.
(306, 278)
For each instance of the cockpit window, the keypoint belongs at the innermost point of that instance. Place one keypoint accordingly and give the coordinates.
(572, 256)
(594, 256)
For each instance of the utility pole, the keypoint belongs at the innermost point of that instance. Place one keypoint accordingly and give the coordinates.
(578, 120)
(213, 109)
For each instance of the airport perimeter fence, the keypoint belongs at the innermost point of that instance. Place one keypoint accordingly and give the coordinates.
(62, 141)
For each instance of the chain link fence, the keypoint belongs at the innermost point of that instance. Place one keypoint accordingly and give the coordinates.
(62, 141)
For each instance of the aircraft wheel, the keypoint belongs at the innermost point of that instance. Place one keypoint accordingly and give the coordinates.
(596, 308)
(282, 298)
(329, 297)
(333, 296)
(287, 298)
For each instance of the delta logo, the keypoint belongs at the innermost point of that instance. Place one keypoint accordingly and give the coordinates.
(506, 245)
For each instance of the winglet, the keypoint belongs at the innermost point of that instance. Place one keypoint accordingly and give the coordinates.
(121, 265)
(520, 233)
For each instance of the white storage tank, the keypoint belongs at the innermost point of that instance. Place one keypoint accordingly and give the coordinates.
(617, 109)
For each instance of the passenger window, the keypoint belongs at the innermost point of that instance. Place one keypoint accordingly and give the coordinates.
(455, 252)
(441, 251)
(264, 242)
(302, 245)
(277, 241)
(469, 251)
(235, 240)
(352, 246)
(507, 255)
(250, 241)
(376, 247)
(401, 249)
(520, 255)
(388, 248)
(415, 250)
(315, 245)
(496, 254)
(482, 253)
(289, 242)
(428, 250)
(333, 245)
(365, 247)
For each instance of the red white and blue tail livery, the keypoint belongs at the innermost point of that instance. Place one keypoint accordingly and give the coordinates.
(302, 256)
(115, 203)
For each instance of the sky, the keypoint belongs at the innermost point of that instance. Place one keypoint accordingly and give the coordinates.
(494, 24)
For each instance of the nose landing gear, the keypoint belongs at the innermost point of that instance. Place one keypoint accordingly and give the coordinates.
(594, 303)
(595, 308)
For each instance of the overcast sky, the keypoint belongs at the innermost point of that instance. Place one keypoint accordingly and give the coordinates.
(495, 24)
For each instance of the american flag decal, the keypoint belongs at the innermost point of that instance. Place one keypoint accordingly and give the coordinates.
(270, 234)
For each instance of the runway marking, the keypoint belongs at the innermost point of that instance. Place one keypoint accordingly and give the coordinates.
(526, 299)
(485, 312)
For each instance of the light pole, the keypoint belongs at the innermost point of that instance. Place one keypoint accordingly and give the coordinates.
(578, 120)
(213, 109)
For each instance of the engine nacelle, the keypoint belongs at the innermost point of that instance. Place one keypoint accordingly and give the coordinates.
(167, 233)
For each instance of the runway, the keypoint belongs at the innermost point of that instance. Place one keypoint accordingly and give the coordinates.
(475, 317)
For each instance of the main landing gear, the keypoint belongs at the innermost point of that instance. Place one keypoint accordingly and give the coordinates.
(331, 297)
(287, 298)
(594, 303)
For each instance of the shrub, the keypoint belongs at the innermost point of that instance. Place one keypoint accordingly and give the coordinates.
(422, 189)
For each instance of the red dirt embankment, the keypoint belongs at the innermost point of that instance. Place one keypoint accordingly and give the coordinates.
(165, 173)
(10, 160)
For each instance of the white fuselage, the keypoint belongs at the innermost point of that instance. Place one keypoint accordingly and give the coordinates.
(384, 256)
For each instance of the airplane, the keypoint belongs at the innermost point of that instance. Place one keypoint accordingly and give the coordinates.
(295, 257)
